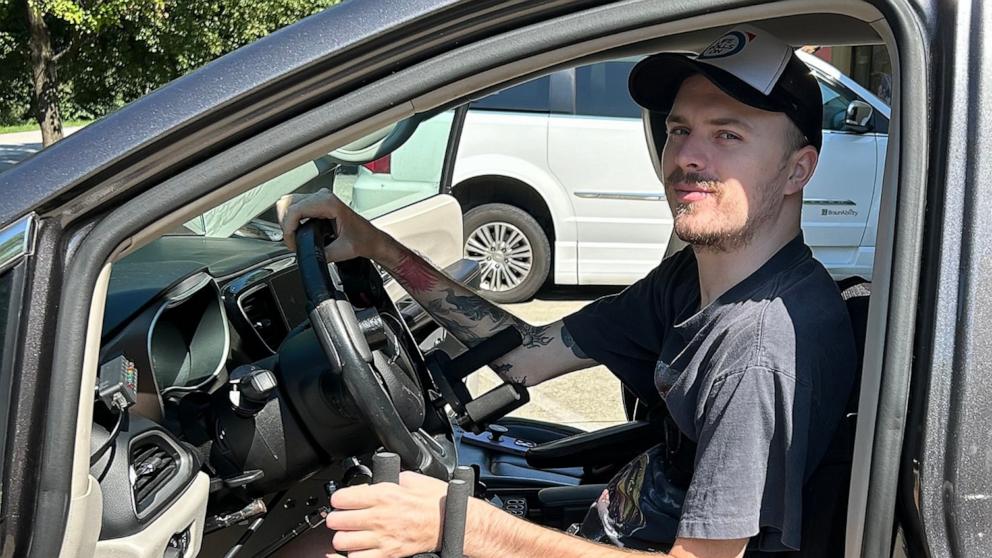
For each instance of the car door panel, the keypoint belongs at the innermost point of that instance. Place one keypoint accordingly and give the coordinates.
(838, 201)
(431, 227)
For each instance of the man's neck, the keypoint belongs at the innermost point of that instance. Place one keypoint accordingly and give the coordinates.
(720, 271)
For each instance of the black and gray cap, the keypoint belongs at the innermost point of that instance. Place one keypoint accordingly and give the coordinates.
(747, 63)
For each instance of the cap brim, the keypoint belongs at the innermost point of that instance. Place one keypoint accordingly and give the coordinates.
(655, 81)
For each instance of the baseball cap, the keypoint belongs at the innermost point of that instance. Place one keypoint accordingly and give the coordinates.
(747, 63)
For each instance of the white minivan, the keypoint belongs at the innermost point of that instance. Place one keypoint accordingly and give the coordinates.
(554, 179)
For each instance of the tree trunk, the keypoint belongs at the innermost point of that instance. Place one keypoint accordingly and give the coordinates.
(44, 76)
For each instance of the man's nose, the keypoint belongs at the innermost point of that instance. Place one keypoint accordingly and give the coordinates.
(690, 152)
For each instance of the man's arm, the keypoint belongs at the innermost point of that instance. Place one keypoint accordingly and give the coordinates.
(405, 519)
(495, 534)
(546, 352)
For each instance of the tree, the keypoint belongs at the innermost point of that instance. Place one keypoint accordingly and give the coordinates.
(81, 22)
(91, 56)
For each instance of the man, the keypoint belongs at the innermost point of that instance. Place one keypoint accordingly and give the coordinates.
(743, 336)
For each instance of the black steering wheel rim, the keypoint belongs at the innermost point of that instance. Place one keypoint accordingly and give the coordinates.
(337, 328)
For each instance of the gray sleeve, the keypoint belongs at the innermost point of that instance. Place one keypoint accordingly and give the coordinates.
(750, 459)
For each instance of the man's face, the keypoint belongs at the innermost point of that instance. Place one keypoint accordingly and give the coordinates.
(725, 166)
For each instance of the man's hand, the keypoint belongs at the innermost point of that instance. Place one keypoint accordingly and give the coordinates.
(356, 236)
(388, 520)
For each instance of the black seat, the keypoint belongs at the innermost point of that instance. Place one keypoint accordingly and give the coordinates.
(504, 465)
(826, 492)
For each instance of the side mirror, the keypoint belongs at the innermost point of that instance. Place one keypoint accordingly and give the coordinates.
(858, 117)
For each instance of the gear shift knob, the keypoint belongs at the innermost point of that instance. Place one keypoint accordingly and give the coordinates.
(496, 431)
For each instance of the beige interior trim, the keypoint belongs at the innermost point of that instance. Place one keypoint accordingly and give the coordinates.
(878, 312)
(84, 521)
(189, 510)
(83, 506)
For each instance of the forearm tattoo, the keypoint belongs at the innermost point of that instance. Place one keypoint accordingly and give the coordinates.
(501, 369)
(469, 317)
(415, 274)
(534, 336)
(569, 341)
(463, 332)
(475, 308)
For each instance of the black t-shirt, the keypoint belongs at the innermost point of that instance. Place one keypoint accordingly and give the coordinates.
(758, 380)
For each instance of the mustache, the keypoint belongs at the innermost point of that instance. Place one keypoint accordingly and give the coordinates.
(679, 176)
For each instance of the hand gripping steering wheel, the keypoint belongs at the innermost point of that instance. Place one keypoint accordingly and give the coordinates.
(347, 348)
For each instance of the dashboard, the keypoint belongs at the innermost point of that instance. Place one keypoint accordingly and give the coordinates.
(182, 312)
(191, 323)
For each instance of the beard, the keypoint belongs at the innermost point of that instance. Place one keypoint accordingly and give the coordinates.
(725, 231)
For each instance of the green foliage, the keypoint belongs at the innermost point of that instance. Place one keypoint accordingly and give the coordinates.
(118, 50)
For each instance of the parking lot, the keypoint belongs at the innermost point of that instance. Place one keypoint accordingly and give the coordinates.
(588, 399)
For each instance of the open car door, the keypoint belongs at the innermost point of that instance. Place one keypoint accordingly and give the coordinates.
(401, 193)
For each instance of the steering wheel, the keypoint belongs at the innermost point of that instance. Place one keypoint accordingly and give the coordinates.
(337, 328)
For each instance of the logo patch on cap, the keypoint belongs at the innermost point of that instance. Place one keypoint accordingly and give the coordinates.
(727, 45)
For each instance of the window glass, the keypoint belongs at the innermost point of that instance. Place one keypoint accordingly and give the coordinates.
(835, 101)
(406, 176)
(409, 174)
(601, 90)
(531, 96)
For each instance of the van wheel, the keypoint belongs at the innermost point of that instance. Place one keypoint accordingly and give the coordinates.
(511, 248)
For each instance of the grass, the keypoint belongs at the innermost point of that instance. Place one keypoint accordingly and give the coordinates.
(33, 126)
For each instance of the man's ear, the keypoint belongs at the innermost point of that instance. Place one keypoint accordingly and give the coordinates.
(803, 163)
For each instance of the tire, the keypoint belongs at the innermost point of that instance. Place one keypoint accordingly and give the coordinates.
(511, 273)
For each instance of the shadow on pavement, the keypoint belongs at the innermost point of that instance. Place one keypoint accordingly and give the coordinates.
(10, 155)
(576, 292)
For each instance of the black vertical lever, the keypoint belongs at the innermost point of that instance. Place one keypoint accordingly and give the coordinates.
(455, 512)
(385, 467)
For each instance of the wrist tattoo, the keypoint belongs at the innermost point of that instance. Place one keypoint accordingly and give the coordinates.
(501, 369)
(569, 341)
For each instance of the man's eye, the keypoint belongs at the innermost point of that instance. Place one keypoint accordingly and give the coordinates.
(728, 136)
(678, 132)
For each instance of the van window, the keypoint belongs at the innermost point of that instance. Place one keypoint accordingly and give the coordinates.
(836, 97)
(601, 90)
(531, 96)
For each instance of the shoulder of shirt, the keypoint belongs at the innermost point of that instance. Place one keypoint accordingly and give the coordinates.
(794, 304)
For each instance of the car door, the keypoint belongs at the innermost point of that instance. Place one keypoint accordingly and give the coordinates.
(837, 201)
(599, 153)
(401, 192)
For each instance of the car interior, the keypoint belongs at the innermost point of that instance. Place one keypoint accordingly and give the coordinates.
(234, 379)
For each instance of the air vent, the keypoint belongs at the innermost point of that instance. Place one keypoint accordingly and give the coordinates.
(260, 309)
(153, 465)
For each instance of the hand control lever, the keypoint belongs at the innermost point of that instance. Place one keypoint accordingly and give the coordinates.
(449, 374)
